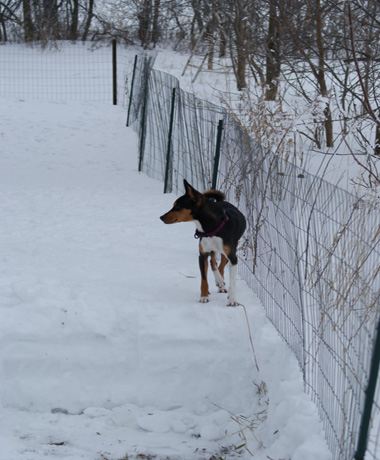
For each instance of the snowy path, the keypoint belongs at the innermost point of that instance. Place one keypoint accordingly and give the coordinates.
(104, 348)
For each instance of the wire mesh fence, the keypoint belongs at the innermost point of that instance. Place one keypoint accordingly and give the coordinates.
(64, 71)
(311, 250)
(177, 130)
(318, 275)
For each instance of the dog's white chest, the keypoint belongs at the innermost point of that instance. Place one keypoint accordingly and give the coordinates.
(213, 243)
(210, 243)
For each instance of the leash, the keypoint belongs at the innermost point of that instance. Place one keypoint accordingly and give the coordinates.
(201, 235)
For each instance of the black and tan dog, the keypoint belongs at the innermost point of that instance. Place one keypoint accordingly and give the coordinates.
(219, 226)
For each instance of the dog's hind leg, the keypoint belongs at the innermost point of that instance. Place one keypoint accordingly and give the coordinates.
(203, 266)
(232, 289)
(233, 273)
(218, 272)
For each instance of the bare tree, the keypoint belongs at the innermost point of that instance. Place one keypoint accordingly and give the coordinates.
(144, 18)
(155, 22)
(50, 26)
(74, 22)
(309, 43)
(319, 72)
(8, 15)
(367, 84)
(240, 29)
(29, 32)
(90, 15)
(273, 57)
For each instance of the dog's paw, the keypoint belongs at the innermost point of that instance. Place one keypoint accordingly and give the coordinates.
(232, 303)
(204, 300)
(221, 285)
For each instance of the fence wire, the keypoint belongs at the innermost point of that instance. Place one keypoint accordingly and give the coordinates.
(64, 71)
(311, 251)
(177, 130)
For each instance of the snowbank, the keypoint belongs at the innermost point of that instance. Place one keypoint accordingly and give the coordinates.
(105, 349)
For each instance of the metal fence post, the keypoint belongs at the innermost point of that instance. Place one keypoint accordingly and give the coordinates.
(131, 91)
(143, 118)
(368, 403)
(114, 72)
(168, 150)
(217, 154)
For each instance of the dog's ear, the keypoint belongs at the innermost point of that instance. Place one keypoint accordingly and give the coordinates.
(191, 192)
(186, 185)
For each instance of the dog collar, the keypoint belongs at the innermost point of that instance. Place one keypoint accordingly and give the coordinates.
(201, 235)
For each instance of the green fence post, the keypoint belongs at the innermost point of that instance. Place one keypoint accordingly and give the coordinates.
(114, 72)
(131, 92)
(368, 403)
(168, 150)
(143, 122)
(142, 134)
(217, 154)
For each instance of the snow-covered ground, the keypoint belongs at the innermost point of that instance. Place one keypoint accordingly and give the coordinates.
(105, 351)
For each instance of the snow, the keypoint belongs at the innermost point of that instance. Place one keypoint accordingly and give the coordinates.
(105, 350)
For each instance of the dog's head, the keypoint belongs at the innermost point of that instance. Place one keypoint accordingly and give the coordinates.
(185, 207)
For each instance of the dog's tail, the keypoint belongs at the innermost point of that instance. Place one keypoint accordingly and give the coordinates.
(214, 195)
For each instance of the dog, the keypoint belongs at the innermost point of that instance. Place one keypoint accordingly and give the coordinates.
(219, 226)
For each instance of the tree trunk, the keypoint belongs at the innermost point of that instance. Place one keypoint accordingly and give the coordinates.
(210, 34)
(144, 23)
(210, 60)
(240, 47)
(73, 32)
(156, 29)
(273, 62)
(50, 22)
(377, 137)
(3, 31)
(90, 15)
(321, 74)
(28, 23)
(222, 44)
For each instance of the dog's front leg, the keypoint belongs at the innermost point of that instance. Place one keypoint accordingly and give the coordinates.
(218, 272)
(203, 265)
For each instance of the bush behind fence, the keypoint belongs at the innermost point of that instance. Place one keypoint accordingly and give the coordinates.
(311, 250)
